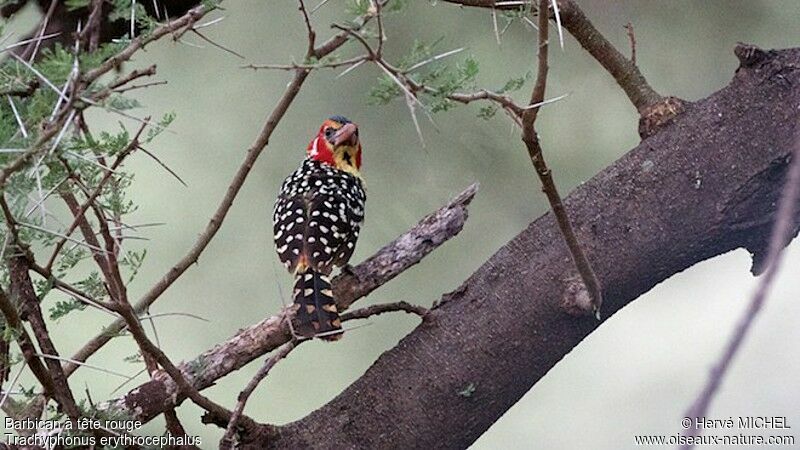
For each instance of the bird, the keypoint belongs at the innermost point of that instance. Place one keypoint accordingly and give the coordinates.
(316, 221)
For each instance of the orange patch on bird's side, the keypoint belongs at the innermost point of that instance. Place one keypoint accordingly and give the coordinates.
(302, 264)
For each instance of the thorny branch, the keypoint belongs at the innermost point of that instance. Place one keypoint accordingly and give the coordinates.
(575, 303)
(81, 210)
(654, 109)
(525, 117)
(105, 252)
(226, 203)
(22, 289)
(591, 298)
(58, 123)
(51, 374)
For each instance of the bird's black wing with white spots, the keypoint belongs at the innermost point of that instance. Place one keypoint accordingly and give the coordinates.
(317, 217)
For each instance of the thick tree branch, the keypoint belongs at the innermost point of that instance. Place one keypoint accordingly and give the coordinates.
(783, 229)
(705, 184)
(624, 70)
(152, 398)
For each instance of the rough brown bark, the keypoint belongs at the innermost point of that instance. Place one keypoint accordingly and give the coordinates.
(701, 186)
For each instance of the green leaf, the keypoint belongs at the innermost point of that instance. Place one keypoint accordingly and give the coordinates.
(133, 261)
(64, 307)
(122, 103)
(514, 84)
(487, 112)
(159, 128)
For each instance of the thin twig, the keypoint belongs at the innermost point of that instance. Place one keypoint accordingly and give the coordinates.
(227, 441)
(215, 44)
(185, 387)
(164, 166)
(375, 310)
(91, 366)
(107, 176)
(188, 19)
(632, 39)
(531, 140)
(140, 86)
(312, 35)
(376, 6)
(291, 67)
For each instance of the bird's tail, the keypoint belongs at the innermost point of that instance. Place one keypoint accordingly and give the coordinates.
(317, 313)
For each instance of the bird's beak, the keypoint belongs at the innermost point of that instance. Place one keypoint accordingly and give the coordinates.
(347, 135)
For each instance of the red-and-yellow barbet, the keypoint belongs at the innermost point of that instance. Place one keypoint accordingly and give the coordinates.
(317, 218)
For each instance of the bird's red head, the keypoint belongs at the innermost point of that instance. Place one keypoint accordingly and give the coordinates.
(337, 144)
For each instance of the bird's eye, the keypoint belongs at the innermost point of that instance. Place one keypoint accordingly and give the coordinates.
(328, 132)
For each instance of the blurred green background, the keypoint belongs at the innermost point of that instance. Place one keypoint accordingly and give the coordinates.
(636, 375)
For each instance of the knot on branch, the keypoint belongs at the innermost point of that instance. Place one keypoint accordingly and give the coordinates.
(749, 55)
(655, 116)
(576, 300)
(750, 210)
